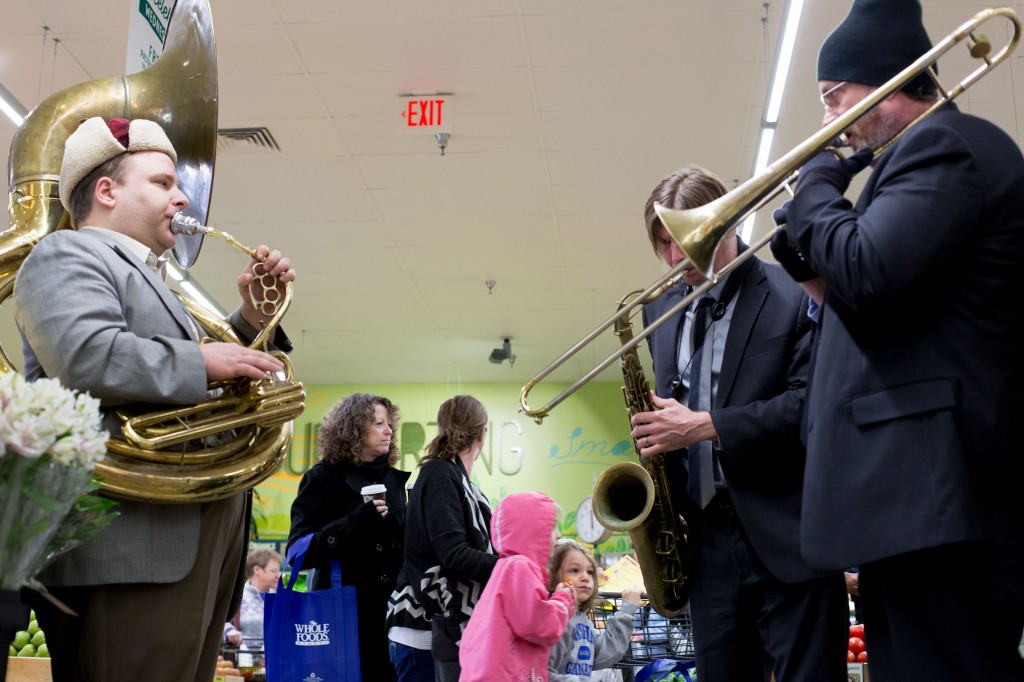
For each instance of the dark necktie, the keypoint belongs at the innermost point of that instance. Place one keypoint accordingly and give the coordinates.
(701, 485)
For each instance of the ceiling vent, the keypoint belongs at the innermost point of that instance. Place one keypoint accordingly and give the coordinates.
(253, 137)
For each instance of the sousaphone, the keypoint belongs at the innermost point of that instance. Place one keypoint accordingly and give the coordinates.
(165, 457)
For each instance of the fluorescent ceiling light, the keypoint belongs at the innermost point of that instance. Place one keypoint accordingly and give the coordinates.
(11, 107)
(783, 59)
(789, 31)
(764, 148)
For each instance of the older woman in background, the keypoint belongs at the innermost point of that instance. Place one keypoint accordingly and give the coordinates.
(262, 570)
(357, 447)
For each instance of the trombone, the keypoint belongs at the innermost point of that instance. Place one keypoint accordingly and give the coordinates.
(699, 231)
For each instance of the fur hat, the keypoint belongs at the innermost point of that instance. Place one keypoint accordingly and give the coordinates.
(876, 40)
(97, 141)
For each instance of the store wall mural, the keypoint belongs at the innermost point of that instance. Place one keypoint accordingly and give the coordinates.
(561, 457)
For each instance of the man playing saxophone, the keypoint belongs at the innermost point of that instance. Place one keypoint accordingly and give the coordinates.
(730, 379)
(152, 591)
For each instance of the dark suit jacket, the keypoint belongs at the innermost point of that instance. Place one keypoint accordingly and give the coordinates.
(918, 385)
(756, 412)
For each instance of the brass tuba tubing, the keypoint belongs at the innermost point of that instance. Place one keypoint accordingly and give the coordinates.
(183, 224)
(700, 230)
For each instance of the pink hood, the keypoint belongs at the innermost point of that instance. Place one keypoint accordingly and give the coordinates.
(517, 621)
(522, 524)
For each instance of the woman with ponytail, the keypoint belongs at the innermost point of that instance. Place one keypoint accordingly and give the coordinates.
(448, 553)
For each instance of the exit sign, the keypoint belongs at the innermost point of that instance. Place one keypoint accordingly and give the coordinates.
(427, 113)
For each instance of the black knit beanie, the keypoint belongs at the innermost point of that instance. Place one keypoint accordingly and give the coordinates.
(876, 40)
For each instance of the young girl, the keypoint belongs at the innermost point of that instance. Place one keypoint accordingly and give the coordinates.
(517, 620)
(583, 648)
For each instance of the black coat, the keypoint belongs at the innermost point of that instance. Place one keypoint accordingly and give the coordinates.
(329, 505)
(917, 389)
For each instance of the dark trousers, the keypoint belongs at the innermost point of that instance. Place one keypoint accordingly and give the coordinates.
(155, 632)
(411, 664)
(953, 612)
(742, 614)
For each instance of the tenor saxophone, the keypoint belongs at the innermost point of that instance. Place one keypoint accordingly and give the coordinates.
(636, 498)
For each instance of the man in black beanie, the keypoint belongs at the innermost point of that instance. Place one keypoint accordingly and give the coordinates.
(913, 444)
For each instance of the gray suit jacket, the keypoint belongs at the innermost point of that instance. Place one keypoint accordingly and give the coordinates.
(94, 316)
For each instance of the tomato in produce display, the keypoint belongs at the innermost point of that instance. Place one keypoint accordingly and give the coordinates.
(856, 645)
(851, 657)
(857, 630)
(862, 657)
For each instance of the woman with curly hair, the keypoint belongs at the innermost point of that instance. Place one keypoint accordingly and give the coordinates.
(448, 555)
(357, 448)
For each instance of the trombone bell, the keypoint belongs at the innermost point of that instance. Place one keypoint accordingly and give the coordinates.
(696, 232)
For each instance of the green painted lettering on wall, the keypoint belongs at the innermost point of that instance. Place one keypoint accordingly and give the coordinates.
(582, 451)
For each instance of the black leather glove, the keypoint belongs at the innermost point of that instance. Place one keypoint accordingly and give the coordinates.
(827, 168)
(781, 214)
(788, 256)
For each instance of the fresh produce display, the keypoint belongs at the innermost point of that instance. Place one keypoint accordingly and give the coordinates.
(856, 650)
(30, 642)
(226, 668)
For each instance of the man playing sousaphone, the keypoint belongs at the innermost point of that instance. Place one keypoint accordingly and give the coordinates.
(153, 590)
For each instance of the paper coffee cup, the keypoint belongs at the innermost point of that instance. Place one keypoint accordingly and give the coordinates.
(374, 492)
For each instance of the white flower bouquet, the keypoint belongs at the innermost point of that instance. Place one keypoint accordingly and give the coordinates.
(51, 440)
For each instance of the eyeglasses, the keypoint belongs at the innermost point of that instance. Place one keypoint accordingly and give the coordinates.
(830, 98)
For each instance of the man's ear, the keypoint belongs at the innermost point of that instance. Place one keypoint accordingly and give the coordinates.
(103, 193)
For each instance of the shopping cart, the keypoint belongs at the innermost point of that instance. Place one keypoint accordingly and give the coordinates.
(654, 636)
(248, 658)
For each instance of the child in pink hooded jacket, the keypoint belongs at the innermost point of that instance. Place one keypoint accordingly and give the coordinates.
(516, 621)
